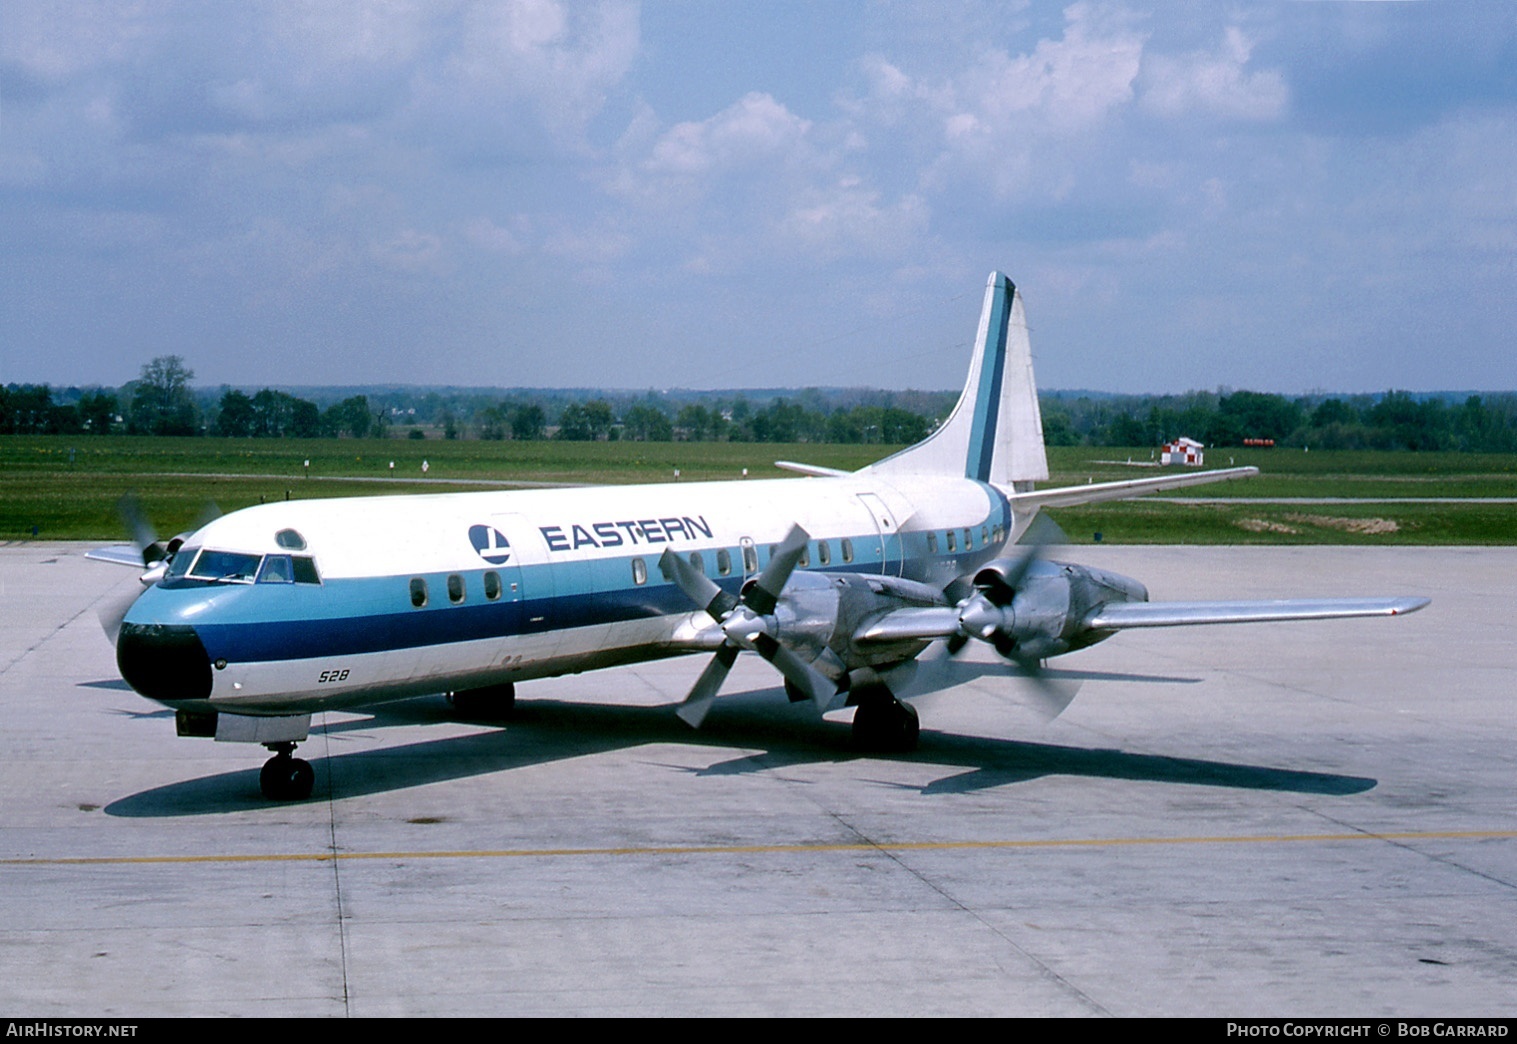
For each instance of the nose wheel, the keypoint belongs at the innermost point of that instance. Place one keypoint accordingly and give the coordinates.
(286, 778)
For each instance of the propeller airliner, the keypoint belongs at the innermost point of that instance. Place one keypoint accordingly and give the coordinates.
(262, 617)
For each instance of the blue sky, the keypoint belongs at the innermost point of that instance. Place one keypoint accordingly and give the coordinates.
(1284, 197)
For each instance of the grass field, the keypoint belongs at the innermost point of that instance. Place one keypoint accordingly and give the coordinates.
(66, 487)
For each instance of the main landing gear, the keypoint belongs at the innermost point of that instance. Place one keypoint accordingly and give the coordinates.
(883, 724)
(286, 778)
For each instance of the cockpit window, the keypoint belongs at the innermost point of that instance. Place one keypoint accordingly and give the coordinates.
(305, 569)
(181, 563)
(226, 565)
(277, 569)
(290, 540)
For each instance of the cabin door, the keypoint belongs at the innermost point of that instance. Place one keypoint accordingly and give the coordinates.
(887, 534)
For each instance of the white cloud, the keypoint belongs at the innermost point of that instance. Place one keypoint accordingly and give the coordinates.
(561, 59)
(850, 218)
(755, 130)
(1066, 85)
(1214, 83)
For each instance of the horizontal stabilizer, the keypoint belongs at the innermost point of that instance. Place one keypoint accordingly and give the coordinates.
(1068, 496)
(1119, 615)
(815, 470)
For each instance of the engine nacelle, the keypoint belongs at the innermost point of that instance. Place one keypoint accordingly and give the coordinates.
(819, 613)
(1042, 613)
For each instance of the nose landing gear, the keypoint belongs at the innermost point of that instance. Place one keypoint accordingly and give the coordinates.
(286, 778)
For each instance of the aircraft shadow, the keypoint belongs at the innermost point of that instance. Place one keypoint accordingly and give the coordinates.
(769, 732)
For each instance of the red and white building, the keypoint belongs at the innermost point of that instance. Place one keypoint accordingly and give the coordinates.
(1182, 451)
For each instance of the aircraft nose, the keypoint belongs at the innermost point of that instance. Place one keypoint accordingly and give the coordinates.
(164, 662)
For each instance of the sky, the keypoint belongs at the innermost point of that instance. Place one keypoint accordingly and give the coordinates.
(1286, 197)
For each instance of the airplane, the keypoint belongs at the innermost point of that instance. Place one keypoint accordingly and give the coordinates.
(841, 581)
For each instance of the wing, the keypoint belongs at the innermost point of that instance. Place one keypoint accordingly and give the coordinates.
(1119, 615)
(927, 624)
(120, 554)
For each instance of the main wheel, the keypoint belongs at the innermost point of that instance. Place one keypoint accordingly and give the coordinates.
(491, 703)
(883, 724)
(286, 779)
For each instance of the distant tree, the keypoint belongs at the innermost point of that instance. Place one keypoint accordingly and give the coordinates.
(235, 419)
(647, 423)
(305, 420)
(573, 424)
(600, 418)
(273, 413)
(97, 412)
(28, 409)
(161, 399)
(492, 423)
(527, 421)
(351, 416)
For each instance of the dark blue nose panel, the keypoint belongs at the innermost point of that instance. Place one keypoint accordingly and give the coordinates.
(164, 662)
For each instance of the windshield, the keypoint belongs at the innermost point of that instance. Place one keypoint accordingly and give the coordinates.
(226, 565)
(180, 565)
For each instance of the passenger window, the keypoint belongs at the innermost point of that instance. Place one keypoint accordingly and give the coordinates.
(695, 560)
(953, 544)
(823, 552)
(968, 539)
(932, 543)
(455, 588)
(276, 570)
(984, 536)
(639, 571)
(492, 586)
(750, 558)
(847, 550)
(305, 569)
(723, 562)
(805, 556)
(418, 592)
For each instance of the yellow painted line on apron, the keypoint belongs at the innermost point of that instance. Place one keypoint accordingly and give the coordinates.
(777, 849)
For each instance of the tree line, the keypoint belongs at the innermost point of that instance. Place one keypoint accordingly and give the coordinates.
(162, 402)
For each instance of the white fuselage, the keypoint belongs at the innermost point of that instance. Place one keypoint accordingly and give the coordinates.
(420, 594)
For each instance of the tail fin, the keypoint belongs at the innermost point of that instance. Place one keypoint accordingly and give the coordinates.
(995, 433)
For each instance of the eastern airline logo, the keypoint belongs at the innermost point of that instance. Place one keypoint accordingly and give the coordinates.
(491, 545)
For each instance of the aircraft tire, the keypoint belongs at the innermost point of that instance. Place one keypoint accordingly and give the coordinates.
(286, 779)
(886, 726)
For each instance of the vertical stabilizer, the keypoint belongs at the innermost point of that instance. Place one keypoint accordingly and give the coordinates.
(995, 432)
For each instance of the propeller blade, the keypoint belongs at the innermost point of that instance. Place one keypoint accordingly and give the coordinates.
(1050, 696)
(696, 585)
(693, 711)
(114, 611)
(1042, 534)
(764, 593)
(797, 671)
(129, 508)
